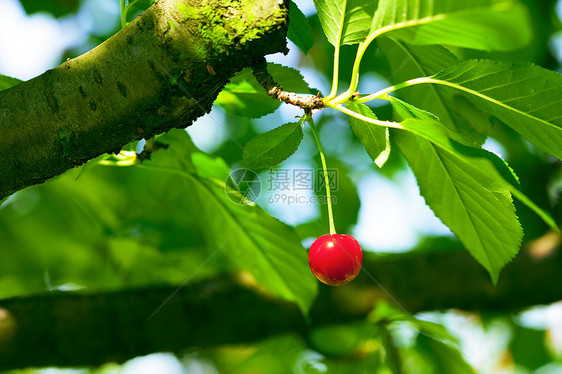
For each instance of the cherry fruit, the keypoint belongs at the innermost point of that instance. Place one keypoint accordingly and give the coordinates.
(335, 259)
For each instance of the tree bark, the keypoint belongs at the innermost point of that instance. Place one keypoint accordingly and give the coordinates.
(73, 329)
(162, 71)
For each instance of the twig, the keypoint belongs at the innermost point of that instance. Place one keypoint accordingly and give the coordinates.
(275, 90)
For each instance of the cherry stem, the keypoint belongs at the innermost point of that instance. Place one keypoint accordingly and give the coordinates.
(310, 121)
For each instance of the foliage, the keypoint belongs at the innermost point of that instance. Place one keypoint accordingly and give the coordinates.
(58, 8)
(273, 147)
(300, 31)
(477, 205)
(7, 82)
(464, 25)
(243, 95)
(376, 139)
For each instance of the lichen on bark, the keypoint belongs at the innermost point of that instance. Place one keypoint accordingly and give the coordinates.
(240, 22)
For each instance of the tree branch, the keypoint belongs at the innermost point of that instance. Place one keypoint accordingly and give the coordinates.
(68, 329)
(275, 90)
(162, 71)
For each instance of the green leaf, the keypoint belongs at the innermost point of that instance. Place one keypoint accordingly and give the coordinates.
(210, 167)
(340, 340)
(525, 97)
(138, 7)
(385, 312)
(178, 152)
(393, 357)
(476, 208)
(443, 357)
(405, 110)
(375, 139)
(255, 242)
(7, 82)
(248, 237)
(528, 347)
(479, 24)
(456, 111)
(411, 61)
(501, 171)
(507, 176)
(57, 8)
(244, 96)
(277, 354)
(272, 147)
(300, 31)
(168, 221)
(291, 79)
(462, 190)
(345, 21)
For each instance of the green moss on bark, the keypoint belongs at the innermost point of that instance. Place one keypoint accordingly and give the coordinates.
(223, 25)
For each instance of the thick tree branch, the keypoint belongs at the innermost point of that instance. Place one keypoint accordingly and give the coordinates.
(67, 329)
(162, 71)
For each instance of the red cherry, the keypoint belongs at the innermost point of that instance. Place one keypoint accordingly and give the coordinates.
(335, 259)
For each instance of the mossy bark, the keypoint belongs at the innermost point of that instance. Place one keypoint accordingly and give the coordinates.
(162, 71)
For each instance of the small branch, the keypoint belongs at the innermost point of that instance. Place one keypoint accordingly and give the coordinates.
(325, 170)
(392, 353)
(275, 90)
(361, 117)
